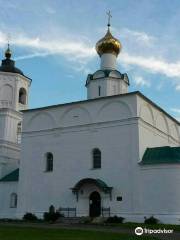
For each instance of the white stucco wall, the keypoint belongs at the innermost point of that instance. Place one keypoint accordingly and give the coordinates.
(6, 189)
(10, 84)
(72, 131)
(158, 184)
(108, 61)
(156, 129)
(122, 127)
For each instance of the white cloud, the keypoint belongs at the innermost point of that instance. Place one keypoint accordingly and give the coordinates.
(50, 10)
(71, 49)
(140, 37)
(160, 85)
(3, 39)
(153, 64)
(176, 110)
(177, 113)
(178, 87)
(140, 81)
(80, 51)
(62, 46)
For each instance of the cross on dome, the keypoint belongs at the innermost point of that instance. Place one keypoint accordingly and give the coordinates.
(8, 51)
(108, 44)
(109, 18)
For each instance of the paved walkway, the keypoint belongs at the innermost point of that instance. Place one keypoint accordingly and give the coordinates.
(117, 229)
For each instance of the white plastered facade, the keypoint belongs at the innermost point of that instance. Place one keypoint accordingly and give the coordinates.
(121, 125)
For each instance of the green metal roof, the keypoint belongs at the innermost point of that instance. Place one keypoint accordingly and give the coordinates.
(11, 177)
(160, 155)
(98, 182)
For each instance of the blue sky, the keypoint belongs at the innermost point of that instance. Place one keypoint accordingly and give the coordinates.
(53, 43)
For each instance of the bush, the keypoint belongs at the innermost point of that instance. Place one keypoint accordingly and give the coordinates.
(85, 220)
(52, 215)
(151, 220)
(115, 219)
(30, 217)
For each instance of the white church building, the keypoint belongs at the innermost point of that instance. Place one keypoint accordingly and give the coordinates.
(116, 152)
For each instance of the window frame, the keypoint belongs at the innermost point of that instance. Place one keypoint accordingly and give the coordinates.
(49, 157)
(96, 158)
(19, 132)
(99, 91)
(22, 96)
(13, 200)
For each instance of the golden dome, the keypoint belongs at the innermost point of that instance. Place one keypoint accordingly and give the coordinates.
(108, 44)
(8, 52)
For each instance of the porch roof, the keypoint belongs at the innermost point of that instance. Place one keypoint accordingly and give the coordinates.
(98, 182)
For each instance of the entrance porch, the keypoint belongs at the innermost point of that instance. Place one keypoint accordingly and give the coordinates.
(93, 196)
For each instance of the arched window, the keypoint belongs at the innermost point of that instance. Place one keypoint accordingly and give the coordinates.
(49, 162)
(19, 130)
(22, 96)
(13, 200)
(99, 91)
(96, 158)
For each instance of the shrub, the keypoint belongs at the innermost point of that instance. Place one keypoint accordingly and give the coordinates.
(52, 215)
(115, 219)
(30, 217)
(85, 220)
(151, 220)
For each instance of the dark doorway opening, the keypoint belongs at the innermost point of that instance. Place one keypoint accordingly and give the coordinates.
(94, 204)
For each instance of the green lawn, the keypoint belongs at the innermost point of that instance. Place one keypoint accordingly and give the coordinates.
(29, 233)
(131, 225)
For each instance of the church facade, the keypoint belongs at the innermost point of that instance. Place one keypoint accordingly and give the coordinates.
(116, 152)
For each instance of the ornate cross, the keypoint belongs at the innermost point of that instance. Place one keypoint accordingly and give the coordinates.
(8, 38)
(109, 18)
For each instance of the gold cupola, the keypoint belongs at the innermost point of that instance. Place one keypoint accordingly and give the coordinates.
(108, 44)
(8, 53)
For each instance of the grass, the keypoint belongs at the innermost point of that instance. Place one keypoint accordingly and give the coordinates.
(30, 233)
(131, 225)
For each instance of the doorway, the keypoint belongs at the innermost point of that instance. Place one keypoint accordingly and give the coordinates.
(94, 204)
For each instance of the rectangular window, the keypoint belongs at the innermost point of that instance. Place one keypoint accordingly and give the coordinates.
(97, 163)
(49, 167)
(96, 158)
(49, 162)
(99, 91)
(119, 198)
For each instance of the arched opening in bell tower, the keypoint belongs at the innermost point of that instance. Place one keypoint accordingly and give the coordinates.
(22, 96)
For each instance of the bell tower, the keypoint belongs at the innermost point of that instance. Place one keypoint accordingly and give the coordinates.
(108, 80)
(14, 88)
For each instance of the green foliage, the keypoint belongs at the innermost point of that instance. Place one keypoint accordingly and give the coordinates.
(151, 220)
(30, 217)
(85, 220)
(52, 215)
(115, 219)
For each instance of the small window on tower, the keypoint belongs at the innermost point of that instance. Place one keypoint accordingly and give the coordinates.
(19, 132)
(22, 96)
(49, 162)
(114, 89)
(99, 91)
